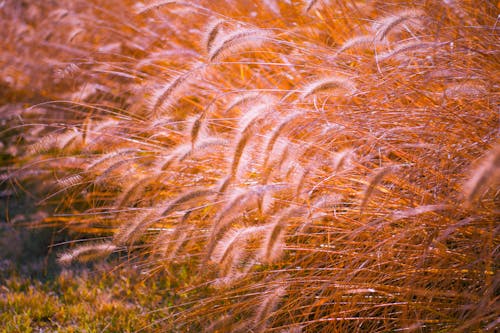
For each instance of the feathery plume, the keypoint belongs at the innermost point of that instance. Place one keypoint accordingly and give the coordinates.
(142, 9)
(247, 124)
(86, 252)
(112, 155)
(310, 4)
(276, 133)
(164, 97)
(195, 129)
(213, 30)
(407, 47)
(229, 249)
(342, 158)
(70, 181)
(487, 172)
(302, 180)
(202, 145)
(241, 200)
(238, 41)
(135, 228)
(386, 25)
(466, 89)
(327, 84)
(185, 197)
(273, 242)
(402, 214)
(365, 40)
(376, 178)
(245, 99)
(268, 305)
(169, 243)
(58, 141)
(68, 71)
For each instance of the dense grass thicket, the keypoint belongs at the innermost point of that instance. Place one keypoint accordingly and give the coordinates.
(290, 166)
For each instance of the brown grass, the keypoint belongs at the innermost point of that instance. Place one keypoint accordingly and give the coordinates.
(382, 136)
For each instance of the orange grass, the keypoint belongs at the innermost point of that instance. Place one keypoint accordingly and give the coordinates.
(316, 166)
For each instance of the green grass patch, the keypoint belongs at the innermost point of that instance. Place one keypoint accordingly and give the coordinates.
(80, 301)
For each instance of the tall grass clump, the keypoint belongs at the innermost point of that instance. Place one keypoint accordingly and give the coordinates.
(314, 166)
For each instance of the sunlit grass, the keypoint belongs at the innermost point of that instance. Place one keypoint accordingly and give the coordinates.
(84, 301)
(290, 165)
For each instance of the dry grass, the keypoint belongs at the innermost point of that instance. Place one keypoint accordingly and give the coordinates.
(314, 165)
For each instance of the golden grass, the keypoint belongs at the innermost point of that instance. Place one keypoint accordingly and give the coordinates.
(376, 122)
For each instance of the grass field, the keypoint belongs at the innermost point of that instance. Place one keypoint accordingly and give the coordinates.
(83, 300)
(250, 166)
